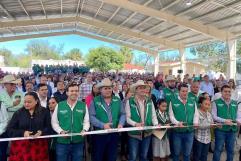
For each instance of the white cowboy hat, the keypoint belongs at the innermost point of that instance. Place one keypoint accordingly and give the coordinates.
(170, 78)
(137, 84)
(105, 83)
(10, 79)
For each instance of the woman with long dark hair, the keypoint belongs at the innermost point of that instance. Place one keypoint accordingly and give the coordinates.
(30, 120)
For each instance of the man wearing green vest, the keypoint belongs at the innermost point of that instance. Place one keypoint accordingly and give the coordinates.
(140, 111)
(225, 111)
(170, 90)
(106, 112)
(70, 116)
(183, 112)
(195, 92)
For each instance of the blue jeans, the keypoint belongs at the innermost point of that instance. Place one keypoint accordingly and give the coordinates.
(200, 151)
(182, 142)
(3, 148)
(222, 137)
(141, 146)
(66, 151)
(105, 147)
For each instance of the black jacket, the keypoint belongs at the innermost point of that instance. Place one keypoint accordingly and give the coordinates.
(22, 121)
(60, 97)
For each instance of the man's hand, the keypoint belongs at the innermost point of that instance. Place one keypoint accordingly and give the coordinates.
(139, 124)
(108, 126)
(180, 124)
(27, 133)
(64, 132)
(228, 122)
(39, 133)
(120, 126)
(16, 102)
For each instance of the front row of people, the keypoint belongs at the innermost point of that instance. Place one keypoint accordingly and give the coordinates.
(192, 121)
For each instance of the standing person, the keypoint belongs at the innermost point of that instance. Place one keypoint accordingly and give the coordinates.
(86, 87)
(207, 86)
(52, 103)
(195, 92)
(170, 91)
(183, 111)
(159, 83)
(30, 120)
(42, 91)
(70, 116)
(106, 112)
(95, 92)
(140, 111)
(234, 92)
(202, 137)
(161, 148)
(11, 98)
(29, 87)
(225, 111)
(43, 80)
(3, 125)
(60, 94)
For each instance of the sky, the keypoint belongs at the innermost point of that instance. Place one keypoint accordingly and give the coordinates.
(69, 41)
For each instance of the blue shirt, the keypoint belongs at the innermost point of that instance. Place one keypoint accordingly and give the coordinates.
(97, 123)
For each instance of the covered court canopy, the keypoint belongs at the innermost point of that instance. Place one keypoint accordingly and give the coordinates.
(146, 25)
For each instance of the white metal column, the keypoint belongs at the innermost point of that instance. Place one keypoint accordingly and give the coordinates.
(232, 50)
(157, 64)
(182, 61)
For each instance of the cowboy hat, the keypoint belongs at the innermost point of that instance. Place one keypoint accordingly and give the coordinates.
(137, 84)
(105, 83)
(10, 79)
(170, 78)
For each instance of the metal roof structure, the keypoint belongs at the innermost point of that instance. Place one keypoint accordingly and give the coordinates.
(145, 25)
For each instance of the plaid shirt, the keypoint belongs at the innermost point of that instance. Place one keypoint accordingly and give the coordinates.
(203, 134)
(85, 90)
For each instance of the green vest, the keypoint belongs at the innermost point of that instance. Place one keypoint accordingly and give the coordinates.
(71, 121)
(162, 120)
(169, 94)
(183, 113)
(193, 97)
(101, 113)
(227, 112)
(135, 115)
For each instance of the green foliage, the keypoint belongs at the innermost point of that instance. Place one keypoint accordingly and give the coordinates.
(127, 53)
(104, 59)
(213, 54)
(7, 56)
(41, 49)
(73, 54)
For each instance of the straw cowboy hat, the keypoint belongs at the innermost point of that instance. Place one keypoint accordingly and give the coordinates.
(105, 83)
(10, 79)
(170, 78)
(137, 84)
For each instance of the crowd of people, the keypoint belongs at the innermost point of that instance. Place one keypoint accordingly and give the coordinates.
(195, 109)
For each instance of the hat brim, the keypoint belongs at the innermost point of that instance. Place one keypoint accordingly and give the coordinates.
(11, 82)
(104, 85)
(134, 86)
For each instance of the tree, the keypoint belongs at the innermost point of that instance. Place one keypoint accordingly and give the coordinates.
(74, 54)
(127, 53)
(7, 56)
(104, 59)
(216, 54)
(41, 49)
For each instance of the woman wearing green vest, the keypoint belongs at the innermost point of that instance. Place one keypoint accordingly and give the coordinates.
(183, 111)
(225, 111)
(70, 116)
(106, 112)
(140, 111)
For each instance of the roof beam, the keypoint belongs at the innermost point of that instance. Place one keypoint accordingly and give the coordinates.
(21, 3)
(153, 27)
(77, 9)
(170, 5)
(45, 14)
(113, 15)
(6, 11)
(82, 6)
(102, 3)
(193, 7)
(61, 7)
(221, 8)
(96, 23)
(141, 23)
(21, 37)
(196, 26)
